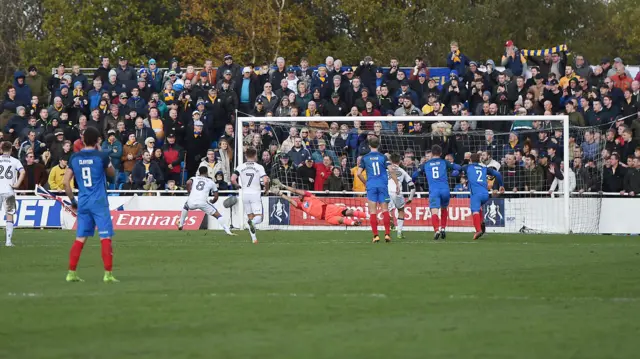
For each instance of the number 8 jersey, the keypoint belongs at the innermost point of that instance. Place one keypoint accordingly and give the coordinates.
(201, 188)
(9, 169)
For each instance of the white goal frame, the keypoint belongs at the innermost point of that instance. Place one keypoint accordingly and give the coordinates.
(565, 128)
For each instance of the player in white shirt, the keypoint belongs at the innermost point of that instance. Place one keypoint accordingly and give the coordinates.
(249, 177)
(200, 188)
(397, 201)
(11, 176)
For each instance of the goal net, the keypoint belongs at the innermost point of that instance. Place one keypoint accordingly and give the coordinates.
(543, 194)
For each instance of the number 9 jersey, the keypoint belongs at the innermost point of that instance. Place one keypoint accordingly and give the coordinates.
(88, 168)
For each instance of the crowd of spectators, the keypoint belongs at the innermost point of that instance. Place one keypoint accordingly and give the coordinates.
(160, 125)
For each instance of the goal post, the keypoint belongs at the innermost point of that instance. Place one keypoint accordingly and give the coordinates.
(524, 208)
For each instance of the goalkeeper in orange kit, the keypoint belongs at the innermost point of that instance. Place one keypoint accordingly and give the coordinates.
(315, 207)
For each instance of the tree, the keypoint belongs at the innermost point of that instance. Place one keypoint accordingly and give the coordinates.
(19, 19)
(81, 31)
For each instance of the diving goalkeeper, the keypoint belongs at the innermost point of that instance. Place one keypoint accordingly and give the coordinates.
(315, 207)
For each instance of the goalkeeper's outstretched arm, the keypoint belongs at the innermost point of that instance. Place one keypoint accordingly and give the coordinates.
(277, 183)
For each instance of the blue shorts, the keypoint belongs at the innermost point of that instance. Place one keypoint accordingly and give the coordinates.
(477, 200)
(439, 198)
(378, 194)
(89, 218)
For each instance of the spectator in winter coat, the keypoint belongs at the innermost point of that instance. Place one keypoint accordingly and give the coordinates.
(269, 100)
(113, 146)
(146, 172)
(173, 155)
(17, 123)
(228, 65)
(513, 59)
(583, 69)
(247, 89)
(307, 174)
(613, 175)
(23, 91)
(367, 73)
(196, 144)
(298, 153)
(335, 182)
(131, 151)
(323, 171)
(124, 72)
(37, 84)
(321, 81)
(456, 60)
(57, 175)
(322, 151)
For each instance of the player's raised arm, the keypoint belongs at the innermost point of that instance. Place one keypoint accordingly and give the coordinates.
(215, 196)
(498, 177)
(68, 177)
(412, 189)
(453, 166)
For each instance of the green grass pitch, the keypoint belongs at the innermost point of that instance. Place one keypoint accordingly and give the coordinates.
(322, 295)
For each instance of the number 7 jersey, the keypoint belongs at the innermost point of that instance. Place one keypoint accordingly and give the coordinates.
(250, 174)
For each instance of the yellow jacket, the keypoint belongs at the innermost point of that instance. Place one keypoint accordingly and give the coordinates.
(358, 186)
(55, 179)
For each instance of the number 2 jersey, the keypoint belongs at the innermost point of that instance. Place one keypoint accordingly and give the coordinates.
(201, 188)
(250, 175)
(477, 178)
(88, 168)
(10, 167)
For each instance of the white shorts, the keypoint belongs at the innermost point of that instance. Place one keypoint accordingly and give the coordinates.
(396, 202)
(206, 207)
(252, 203)
(9, 202)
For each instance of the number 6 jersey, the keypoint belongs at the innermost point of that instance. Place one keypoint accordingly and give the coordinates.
(9, 169)
(250, 175)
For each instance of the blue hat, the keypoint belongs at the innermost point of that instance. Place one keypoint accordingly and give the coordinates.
(76, 84)
(152, 61)
(422, 75)
(379, 70)
(63, 86)
(453, 72)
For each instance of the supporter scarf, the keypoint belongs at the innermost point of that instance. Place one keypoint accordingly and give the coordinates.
(103, 107)
(542, 52)
(456, 56)
(131, 143)
(78, 93)
(57, 108)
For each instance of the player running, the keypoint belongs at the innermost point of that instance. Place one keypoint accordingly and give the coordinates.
(11, 176)
(89, 166)
(438, 179)
(477, 176)
(200, 188)
(377, 184)
(397, 200)
(248, 176)
(315, 207)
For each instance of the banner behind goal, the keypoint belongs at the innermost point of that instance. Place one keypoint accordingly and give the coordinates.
(531, 153)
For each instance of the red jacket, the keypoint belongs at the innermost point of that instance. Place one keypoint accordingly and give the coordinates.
(322, 173)
(173, 154)
(78, 145)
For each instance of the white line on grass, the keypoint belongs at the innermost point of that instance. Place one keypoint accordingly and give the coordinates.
(462, 297)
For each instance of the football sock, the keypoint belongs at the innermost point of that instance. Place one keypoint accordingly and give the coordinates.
(400, 224)
(373, 218)
(107, 254)
(435, 221)
(9, 230)
(444, 213)
(223, 225)
(359, 214)
(257, 220)
(253, 237)
(386, 219)
(477, 220)
(183, 216)
(74, 256)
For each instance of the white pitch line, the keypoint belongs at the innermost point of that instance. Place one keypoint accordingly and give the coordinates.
(462, 297)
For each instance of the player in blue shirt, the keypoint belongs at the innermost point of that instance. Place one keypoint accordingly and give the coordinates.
(377, 166)
(477, 176)
(89, 166)
(439, 193)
